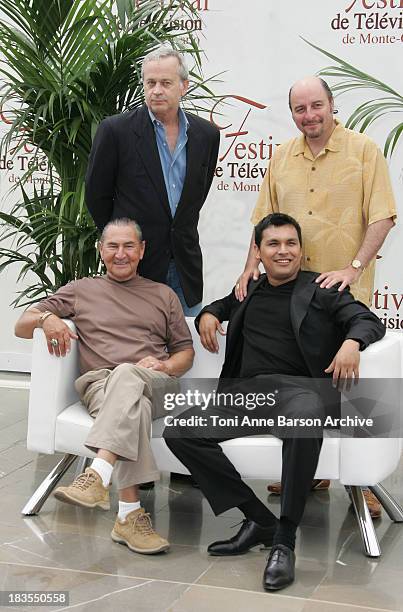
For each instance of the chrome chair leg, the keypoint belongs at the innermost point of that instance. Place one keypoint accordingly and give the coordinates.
(392, 508)
(46, 487)
(368, 535)
(82, 463)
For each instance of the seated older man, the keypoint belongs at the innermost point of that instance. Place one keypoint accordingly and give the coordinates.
(133, 342)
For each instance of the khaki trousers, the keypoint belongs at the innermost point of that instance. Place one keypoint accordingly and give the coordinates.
(124, 401)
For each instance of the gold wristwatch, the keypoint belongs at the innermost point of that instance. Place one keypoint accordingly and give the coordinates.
(357, 265)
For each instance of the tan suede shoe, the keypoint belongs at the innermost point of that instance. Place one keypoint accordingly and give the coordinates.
(317, 485)
(374, 506)
(86, 490)
(137, 532)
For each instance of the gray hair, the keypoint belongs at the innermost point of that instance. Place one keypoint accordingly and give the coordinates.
(165, 51)
(122, 222)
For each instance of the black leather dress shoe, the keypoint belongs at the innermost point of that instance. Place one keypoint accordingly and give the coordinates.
(184, 479)
(280, 568)
(145, 486)
(249, 535)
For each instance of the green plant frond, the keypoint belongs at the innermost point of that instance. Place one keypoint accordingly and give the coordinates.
(347, 68)
(350, 78)
(392, 139)
(68, 64)
(372, 109)
(11, 257)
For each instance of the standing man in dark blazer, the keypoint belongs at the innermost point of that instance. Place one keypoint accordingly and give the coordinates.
(155, 164)
(290, 331)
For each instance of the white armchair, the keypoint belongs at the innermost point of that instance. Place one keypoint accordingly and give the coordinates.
(58, 422)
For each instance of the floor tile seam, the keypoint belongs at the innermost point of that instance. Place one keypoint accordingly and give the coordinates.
(198, 585)
(349, 606)
(92, 573)
(24, 550)
(17, 468)
(4, 450)
(78, 532)
(212, 563)
(173, 603)
(89, 601)
(54, 532)
(13, 423)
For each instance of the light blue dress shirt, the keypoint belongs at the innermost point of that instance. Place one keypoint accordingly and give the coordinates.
(173, 164)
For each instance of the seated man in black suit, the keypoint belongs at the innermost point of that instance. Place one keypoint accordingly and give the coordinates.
(288, 327)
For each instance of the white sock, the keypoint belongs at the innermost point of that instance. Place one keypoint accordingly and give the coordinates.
(126, 507)
(104, 469)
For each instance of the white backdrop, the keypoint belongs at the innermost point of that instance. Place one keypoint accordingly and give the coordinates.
(258, 46)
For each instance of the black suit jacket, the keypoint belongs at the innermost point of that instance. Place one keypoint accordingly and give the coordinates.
(321, 319)
(125, 179)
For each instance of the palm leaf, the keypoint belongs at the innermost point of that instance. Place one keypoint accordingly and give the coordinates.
(66, 65)
(349, 78)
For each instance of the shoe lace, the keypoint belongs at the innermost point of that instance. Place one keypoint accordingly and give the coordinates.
(276, 554)
(143, 523)
(83, 481)
(240, 523)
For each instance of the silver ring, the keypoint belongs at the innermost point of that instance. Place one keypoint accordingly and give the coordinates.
(54, 342)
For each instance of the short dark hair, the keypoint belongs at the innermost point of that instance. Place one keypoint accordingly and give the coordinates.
(325, 86)
(276, 220)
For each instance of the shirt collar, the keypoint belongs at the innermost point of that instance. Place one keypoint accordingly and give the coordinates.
(333, 144)
(183, 120)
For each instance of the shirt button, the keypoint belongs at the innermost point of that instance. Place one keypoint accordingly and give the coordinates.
(309, 212)
(173, 186)
(313, 168)
(311, 190)
(308, 259)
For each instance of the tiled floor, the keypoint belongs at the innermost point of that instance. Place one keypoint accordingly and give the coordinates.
(68, 548)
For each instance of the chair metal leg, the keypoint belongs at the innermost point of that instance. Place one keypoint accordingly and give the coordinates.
(368, 535)
(392, 508)
(46, 487)
(82, 463)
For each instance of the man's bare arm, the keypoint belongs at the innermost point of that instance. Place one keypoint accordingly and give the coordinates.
(373, 240)
(177, 364)
(53, 327)
(251, 270)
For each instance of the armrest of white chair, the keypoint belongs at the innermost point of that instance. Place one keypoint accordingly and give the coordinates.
(378, 457)
(52, 390)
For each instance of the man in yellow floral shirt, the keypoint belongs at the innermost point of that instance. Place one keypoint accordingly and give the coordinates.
(336, 183)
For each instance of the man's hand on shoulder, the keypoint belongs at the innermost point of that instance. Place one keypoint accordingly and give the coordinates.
(241, 287)
(347, 276)
(345, 365)
(58, 335)
(209, 325)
